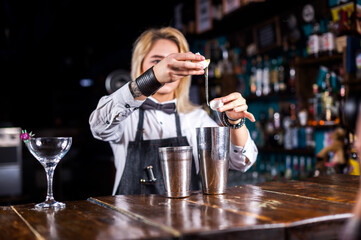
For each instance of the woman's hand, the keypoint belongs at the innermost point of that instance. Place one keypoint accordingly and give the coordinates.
(178, 65)
(235, 107)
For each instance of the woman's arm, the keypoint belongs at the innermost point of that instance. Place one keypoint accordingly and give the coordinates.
(235, 108)
(243, 149)
(172, 68)
(113, 109)
(110, 112)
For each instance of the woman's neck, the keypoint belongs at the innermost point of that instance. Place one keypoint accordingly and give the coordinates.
(163, 97)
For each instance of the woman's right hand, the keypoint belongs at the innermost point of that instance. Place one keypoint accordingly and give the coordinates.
(178, 65)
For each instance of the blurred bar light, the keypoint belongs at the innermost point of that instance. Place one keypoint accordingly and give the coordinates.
(86, 82)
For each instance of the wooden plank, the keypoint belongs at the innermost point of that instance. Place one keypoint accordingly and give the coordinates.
(342, 180)
(85, 220)
(330, 193)
(303, 218)
(191, 219)
(327, 229)
(252, 202)
(12, 227)
(313, 209)
(241, 209)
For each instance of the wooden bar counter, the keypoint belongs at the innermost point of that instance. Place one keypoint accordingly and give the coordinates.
(315, 208)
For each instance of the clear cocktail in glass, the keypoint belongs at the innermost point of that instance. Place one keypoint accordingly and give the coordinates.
(49, 151)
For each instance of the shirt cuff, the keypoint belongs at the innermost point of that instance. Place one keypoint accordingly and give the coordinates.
(244, 157)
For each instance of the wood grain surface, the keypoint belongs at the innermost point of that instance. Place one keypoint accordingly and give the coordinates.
(316, 208)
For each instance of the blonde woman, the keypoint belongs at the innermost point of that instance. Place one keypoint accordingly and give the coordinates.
(135, 126)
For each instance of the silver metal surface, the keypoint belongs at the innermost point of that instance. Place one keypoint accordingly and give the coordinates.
(176, 163)
(213, 153)
(206, 85)
(10, 161)
(10, 137)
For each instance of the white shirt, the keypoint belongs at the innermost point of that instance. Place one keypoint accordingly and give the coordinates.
(116, 119)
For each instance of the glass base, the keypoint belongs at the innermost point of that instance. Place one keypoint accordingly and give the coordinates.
(52, 204)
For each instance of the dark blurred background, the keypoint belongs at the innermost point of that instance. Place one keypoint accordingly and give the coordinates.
(46, 49)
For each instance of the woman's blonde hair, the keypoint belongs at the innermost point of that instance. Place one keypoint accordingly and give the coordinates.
(143, 45)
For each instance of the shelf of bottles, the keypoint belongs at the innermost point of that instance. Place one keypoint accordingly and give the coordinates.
(295, 90)
(293, 114)
(290, 131)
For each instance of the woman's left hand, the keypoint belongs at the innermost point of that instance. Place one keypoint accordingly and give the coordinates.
(235, 106)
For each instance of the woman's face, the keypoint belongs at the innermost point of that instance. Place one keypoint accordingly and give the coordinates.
(161, 49)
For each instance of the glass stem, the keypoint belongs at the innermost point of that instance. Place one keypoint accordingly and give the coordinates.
(49, 175)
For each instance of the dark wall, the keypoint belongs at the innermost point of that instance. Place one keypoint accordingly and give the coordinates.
(46, 47)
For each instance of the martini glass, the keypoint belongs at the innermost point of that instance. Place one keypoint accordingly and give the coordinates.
(49, 151)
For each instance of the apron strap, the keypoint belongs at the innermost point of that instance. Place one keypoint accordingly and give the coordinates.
(178, 125)
(139, 135)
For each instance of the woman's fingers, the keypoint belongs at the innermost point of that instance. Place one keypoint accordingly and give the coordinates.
(234, 102)
(235, 106)
(239, 115)
(188, 56)
(188, 72)
(249, 116)
(180, 65)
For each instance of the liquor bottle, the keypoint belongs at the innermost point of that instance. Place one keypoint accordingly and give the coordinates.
(311, 114)
(328, 41)
(288, 172)
(313, 43)
(259, 76)
(309, 167)
(243, 78)
(294, 126)
(335, 83)
(252, 77)
(295, 168)
(261, 127)
(302, 135)
(274, 76)
(281, 74)
(270, 127)
(273, 170)
(320, 93)
(292, 78)
(310, 142)
(344, 25)
(317, 106)
(278, 130)
(327, 102)
(321, 79)
(303, 173)
(287, 141)
(281, 166)
(258, 134)
(266, 76)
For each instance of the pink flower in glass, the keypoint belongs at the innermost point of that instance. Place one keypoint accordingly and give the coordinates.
(24, 136)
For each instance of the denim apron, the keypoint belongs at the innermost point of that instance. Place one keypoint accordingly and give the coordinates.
(144, 153)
